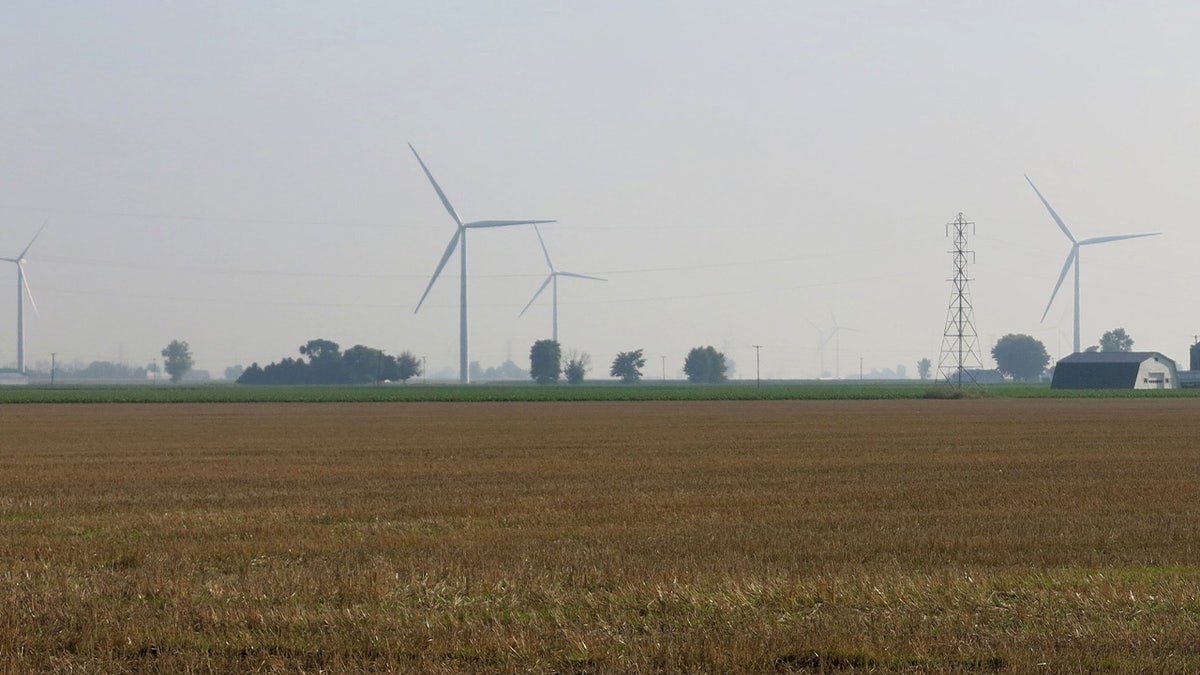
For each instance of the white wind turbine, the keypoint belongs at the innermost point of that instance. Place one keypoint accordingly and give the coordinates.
(460, 240)
(836, 331)
(552, 278)
(1073, 257)
(825, 336)
(822, 339)
(22, 291)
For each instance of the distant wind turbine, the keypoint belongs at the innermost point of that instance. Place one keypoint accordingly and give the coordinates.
(22, 291)
(1073, 257)
(460, 240)
(825, 336)
(822, 339)
(836, 334)
(836, 331)
(552, 279)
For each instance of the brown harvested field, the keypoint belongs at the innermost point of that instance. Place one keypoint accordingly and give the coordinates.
(804, 536)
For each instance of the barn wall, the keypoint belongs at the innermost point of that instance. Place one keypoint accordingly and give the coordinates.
(1094, 375)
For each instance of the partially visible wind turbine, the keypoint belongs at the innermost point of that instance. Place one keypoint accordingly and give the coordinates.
(552, 278)
(822, 338)
(837, 343)
(825, 336)
(22, 291)
(1073, 257)
(460, 240)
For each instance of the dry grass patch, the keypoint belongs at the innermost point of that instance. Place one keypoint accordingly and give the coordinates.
(939, 536)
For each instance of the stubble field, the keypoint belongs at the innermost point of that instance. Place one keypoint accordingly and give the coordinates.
(701, 536)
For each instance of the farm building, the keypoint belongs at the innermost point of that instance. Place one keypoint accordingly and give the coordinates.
(1190, 378)
(1115, 370)
(983, 376)
(12, 377)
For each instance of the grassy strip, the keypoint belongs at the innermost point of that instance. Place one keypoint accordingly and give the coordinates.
(802, 391)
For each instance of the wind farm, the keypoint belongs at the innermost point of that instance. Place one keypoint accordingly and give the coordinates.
(828, 339)
(270, 413)
(258, 207)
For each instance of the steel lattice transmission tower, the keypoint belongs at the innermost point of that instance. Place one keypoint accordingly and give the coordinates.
(960, 342)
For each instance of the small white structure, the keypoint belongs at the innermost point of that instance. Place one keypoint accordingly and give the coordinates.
(12, 378)
(1115, 370)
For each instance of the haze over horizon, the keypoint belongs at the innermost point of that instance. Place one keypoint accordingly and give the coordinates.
(237, 175)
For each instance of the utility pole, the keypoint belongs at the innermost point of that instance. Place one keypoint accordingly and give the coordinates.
(52, 364)
(757, 368)
(664, 367)
(424, 372)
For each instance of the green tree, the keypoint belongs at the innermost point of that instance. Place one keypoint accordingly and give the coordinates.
(924, 368)
(362, 364)
(1116, 340)
(408, 366)
(1020, 356)
(321, 352)
(545, 361)
(177, 359)
(628, 366)
(578, 364)
(704, 364)
(325, 361)
(328, 364)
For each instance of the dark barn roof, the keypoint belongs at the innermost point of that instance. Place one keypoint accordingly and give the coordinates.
(1102, 370)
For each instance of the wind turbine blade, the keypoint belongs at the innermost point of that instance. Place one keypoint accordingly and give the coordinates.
(1116, 237)
(28, 292)
(579, 276)
(1061, 277)
(436, 272)
(535, 295)
(1061, 225)
(544, 251)
(504, 223)
(437, 188)
(824, 338)
(35, 236)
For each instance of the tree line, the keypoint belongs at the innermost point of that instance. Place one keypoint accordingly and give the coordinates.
(323, 362)
(547, 364)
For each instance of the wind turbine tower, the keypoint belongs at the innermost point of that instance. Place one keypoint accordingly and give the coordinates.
(1073, 257)
(552, 280)
(459, 240)
(22, 291)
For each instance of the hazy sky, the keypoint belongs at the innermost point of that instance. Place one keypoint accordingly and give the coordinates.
(237, 175)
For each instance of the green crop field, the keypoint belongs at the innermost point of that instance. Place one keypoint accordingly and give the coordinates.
(515, 392)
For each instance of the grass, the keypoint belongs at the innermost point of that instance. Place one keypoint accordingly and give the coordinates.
(982, 535)
(528, 392)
